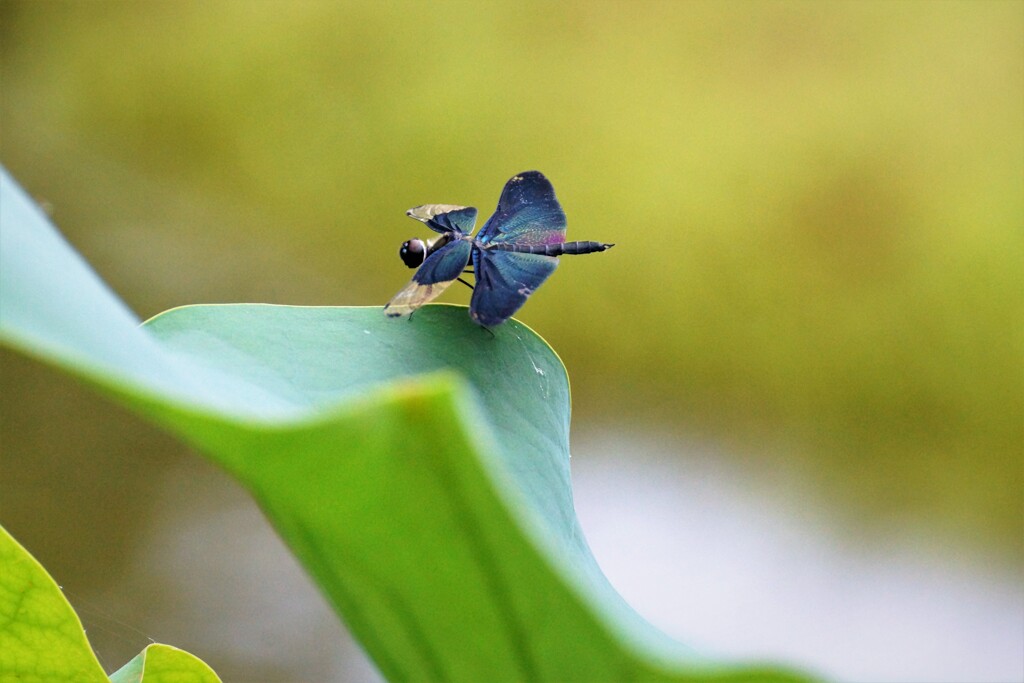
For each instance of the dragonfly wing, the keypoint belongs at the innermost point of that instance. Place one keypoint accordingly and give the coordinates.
(528, 213)
(440, 269)
(504, 279)
(445, 217)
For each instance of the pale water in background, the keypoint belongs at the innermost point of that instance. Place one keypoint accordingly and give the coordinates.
(730, 559)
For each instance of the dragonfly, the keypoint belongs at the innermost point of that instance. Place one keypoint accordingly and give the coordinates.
(513, 254)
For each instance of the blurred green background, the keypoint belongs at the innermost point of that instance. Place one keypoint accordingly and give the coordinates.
(818, 207)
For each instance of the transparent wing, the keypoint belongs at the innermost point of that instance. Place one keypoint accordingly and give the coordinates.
(439, 270)
(504, 280)
(528, 213)
(445, 217)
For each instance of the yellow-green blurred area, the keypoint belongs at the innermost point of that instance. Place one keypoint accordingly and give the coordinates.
(818, 207)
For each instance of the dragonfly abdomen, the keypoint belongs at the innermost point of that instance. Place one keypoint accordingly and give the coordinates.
(553, 249)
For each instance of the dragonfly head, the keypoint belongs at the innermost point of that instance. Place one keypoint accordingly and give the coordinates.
(413, 252)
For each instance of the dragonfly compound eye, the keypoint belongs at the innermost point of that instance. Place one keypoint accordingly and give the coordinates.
(413, 252)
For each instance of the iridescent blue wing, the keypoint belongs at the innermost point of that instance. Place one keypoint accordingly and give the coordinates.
(528, 213)
(504, 279)
(445, 217)
(440, 269)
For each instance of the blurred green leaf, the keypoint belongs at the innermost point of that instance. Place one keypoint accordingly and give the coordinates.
(164, 664)
(42, 640)
(435, 511)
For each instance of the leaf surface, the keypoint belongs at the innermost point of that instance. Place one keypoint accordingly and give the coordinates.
(419, 470)
(164, 664)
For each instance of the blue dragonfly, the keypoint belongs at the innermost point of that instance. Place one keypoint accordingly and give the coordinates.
(512, 255)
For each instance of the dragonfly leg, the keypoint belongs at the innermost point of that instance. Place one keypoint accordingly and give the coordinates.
(465, 283)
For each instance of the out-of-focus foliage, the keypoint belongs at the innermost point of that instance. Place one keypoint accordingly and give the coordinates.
(42, 638)
(818, 207)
